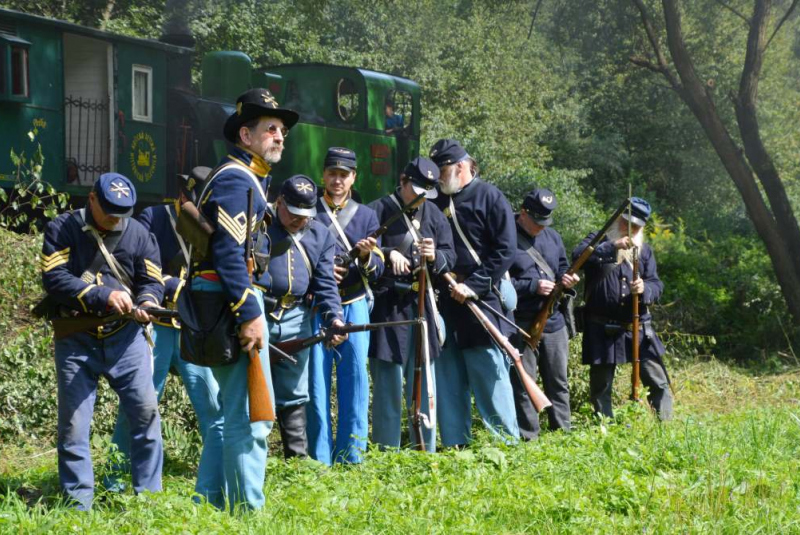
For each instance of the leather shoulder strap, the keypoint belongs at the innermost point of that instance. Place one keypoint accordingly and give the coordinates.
(536, 256)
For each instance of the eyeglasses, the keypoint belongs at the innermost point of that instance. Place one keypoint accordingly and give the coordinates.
(273, 129)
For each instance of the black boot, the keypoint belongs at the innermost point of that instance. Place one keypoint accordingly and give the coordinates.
(292, 424)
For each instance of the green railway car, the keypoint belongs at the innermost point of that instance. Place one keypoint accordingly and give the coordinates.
(103, 102)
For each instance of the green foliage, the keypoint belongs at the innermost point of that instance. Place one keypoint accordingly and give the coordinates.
(722, 288)
(718, 473)
(29, 194)
(27, 372)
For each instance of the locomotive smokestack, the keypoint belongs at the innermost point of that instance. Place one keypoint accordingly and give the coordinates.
(176, 24)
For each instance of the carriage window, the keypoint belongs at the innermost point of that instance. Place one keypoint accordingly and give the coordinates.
(347, 101)
(14, 68)
(19, 71)
(142, 106)
(398, 109)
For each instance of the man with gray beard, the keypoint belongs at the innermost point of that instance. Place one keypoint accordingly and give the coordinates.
(485, 241)
(608, 314)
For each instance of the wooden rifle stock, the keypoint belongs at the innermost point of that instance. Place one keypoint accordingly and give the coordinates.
(635, 330)
(63, 327)
(538, 398)
(416, 396)
(537, 328)
(260, 400)
(346, 258)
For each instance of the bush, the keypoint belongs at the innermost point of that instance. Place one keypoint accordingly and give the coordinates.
(724, 289)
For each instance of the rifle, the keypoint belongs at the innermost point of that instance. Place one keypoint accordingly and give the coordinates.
(260, 400)
(635, 319)
(415, 415)
(537, 328)
(276, 355)
(538, 398)
(70, 325)
(345, 259)
(298, 344)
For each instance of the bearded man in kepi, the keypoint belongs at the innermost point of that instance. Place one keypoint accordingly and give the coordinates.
(470, 364)
(608, 314)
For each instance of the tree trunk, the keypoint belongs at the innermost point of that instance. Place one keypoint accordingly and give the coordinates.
(776, 231)
(747, 119)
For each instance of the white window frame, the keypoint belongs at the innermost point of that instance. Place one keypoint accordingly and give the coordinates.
(149, 72)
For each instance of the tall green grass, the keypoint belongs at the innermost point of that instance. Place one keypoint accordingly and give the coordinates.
(731, 473)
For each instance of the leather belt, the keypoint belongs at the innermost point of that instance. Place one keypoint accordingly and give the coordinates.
(605, 321)
(285, 302)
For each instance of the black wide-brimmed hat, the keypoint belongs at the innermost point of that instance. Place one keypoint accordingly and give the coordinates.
(253, 104)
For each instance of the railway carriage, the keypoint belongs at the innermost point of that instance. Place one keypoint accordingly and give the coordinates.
(105, 102)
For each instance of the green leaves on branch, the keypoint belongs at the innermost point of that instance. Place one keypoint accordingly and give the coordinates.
(29, 194)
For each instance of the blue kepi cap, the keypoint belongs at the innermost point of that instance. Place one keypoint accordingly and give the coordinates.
(116, 194)
(640, 211)
(300, 195)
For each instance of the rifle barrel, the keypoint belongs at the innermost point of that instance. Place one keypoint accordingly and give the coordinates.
(535, 334)
(357, 328)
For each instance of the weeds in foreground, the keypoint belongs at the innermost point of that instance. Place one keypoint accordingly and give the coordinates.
(735, 473)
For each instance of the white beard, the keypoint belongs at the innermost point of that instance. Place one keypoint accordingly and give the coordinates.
(625, 255)
(450, 184)
(273, 154)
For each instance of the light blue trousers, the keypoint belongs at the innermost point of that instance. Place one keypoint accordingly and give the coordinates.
(387, 400)
(290, 379)
(203, 392)
(483, 371)
(244, 444)
(352, 393)
(124, 360)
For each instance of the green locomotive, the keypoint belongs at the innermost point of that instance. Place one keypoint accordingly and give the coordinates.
(103, 102)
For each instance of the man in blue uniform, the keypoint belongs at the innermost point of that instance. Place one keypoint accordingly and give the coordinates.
(423, 232)
(607, 337)
(301, 266)
(199, 381)
(485, 242)
(540, 261)
(257, 129)
(351, 224)
(98, 261)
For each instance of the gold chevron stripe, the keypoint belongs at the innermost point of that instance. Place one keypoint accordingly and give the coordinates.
(237, 230)
(84, 292)
(238, 305)
(48, 262)
(52, 256)
(53, 264)
(153, 270)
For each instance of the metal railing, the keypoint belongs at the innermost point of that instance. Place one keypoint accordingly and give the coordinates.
(88, 141)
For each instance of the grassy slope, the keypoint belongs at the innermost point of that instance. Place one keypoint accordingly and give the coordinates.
(728, 464)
